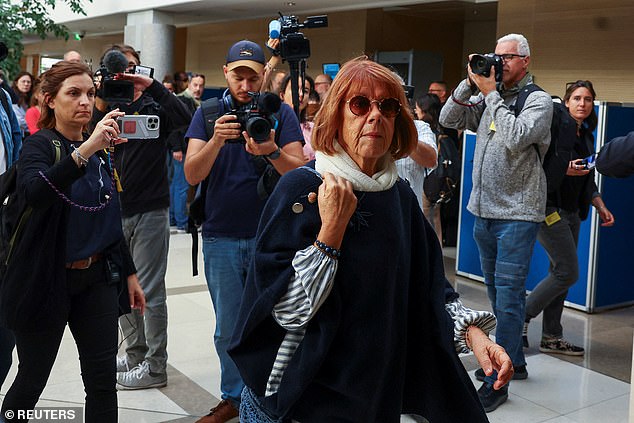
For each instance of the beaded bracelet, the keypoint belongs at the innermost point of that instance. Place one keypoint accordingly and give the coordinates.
(328, 250)
(82, 159)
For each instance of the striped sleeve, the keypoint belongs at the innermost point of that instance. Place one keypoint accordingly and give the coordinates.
(307, 290)
(464, 317)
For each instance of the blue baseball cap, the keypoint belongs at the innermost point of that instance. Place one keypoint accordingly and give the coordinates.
(245, 53)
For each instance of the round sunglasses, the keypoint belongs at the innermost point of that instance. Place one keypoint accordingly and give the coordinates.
(360, 105)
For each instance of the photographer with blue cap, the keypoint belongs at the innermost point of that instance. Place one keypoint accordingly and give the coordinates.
(228, 156)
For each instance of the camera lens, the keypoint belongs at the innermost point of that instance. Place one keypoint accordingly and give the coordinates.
(258, 128)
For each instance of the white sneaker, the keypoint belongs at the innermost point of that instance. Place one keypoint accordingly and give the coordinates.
(140, 378)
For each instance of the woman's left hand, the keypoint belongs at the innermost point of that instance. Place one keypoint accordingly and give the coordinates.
(135, 292)
(491, 356)
(577, 168)
(606, 216)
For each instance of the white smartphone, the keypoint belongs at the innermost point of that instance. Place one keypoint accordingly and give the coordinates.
(139, 126)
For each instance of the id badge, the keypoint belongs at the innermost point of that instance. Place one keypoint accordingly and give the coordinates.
(553, 218)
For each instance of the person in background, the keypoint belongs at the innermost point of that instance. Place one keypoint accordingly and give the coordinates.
(286, 95)
(77, 281)
(191, 96)
(168, 82)
(322, 85)
(567, 205)
(142, 170)
(508, 198)
(23, 88)
(318, 285)
(427, 109)
(33, 113)
(440, 89)
(233, 202)
(181, 79)
(72, 56)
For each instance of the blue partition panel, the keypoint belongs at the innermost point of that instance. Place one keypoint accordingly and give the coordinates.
(615, 245)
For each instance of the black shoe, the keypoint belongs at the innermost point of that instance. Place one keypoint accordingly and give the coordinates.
(520, 374)
(490, 398)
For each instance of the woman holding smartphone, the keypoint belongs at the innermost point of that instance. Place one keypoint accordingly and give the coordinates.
(567, 205)
(70, 264)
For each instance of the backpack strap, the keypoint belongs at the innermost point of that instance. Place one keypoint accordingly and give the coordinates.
(522, 96)
(210, 109)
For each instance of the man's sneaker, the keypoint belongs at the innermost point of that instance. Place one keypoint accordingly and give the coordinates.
(221, 413)
(140, 377)
(123, 365)
(520, 373)
(490, 398)
(525, 335)
(559, 346)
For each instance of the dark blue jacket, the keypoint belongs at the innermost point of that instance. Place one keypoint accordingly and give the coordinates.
(382, 343)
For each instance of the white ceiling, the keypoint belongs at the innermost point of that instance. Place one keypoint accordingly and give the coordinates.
(109, 17)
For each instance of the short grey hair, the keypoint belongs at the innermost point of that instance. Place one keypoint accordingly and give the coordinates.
(522, 43)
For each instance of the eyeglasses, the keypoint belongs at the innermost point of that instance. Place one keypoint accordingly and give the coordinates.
(360, 105)
(578, 84)
(509, 57)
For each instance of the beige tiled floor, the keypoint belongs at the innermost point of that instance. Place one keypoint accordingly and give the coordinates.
(591, 389)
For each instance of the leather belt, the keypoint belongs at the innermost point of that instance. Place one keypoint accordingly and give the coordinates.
(84, 263)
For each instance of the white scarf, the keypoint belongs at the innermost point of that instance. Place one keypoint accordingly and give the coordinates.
(341, 164)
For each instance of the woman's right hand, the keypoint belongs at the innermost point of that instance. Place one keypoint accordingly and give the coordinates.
(105, 134)
(337, 203)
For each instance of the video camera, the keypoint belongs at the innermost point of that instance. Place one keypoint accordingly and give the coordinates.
(256, 117)
(117, 90)
(293, 45)
(481, 65)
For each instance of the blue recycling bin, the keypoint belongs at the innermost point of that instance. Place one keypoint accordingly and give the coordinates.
(604, 253)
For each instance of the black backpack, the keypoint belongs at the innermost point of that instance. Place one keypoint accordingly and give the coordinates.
(440, 184)
(14, 212)
(555, 161)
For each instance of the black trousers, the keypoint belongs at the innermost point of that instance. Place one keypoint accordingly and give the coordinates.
(93, 322)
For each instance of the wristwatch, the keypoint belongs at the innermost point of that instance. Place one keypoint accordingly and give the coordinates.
(275, 155)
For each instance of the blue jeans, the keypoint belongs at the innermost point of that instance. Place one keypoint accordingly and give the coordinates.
(227, 261)
(506, 248)
(178, 194)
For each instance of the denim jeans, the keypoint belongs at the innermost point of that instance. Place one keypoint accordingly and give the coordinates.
(506, 247)
(227, 261)
(178, 194)
(560, 242)
(146, 334)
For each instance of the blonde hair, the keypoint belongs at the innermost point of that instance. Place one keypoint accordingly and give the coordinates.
(355, 74)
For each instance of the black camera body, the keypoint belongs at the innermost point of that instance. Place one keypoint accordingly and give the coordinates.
(257, 117)
(113, 90)
(294, 46)
(481, 65)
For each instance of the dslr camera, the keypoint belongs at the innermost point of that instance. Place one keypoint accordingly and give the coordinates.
(481, 65)
(293, 45)
(256, 117)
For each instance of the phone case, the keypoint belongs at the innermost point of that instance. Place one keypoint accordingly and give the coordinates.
(139, 126)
